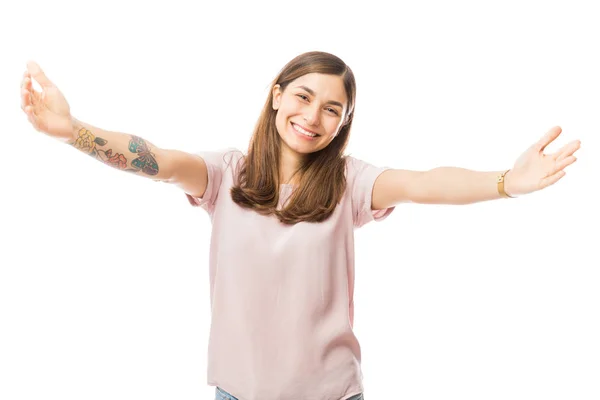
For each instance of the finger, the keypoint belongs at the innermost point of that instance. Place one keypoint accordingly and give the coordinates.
(27, 99)
(27, 83)
(37, 73)
(33, 96)
(567, 150)
(31, 117)
(24, 99)
(36, 98)
(548, 138)
(564, 163)
(25, 76)
(28, 112)
(552, 179)
(36, 120)
(25, 89)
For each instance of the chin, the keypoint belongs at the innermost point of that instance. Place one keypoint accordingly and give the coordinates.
(300, 148)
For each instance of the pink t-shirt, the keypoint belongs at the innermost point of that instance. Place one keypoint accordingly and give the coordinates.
(282, 295)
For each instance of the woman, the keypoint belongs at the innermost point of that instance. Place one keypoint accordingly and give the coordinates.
(283, 215)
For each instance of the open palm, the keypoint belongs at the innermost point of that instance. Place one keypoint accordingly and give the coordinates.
(535, 170)
(48, 111)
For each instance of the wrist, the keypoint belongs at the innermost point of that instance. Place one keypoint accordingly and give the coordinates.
(76, 126)
(504, 183)
(507, 183)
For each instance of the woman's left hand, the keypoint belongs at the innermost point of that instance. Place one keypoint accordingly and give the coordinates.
(535, 170)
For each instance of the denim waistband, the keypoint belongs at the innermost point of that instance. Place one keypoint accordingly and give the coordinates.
(220, 394)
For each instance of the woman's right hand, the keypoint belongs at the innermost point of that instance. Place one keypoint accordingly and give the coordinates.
(47, 111)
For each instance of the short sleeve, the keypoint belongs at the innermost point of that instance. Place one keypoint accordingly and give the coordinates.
(361, 178)
(216, 165)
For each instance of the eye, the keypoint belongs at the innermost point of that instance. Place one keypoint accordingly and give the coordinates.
(303, 97)
(333, 111)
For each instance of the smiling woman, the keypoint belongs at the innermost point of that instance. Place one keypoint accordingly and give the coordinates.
(283, 218)
(300, 140)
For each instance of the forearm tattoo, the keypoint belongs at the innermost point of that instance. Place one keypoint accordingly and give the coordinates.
(144, 161)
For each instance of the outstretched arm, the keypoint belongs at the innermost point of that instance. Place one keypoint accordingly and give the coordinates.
(532, 171)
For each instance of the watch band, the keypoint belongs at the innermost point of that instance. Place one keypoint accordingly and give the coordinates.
(501, 185)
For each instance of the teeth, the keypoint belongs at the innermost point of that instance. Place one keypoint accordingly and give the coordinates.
(302, 131)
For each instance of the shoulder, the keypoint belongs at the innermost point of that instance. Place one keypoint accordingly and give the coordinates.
(222, 158)
(361, 175)
(356, 167)
(353, 163)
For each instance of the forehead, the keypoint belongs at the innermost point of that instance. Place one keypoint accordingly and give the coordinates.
(326, 87)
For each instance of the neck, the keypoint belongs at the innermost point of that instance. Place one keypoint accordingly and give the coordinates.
(289, 163)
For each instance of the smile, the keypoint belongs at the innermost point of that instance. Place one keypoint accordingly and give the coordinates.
(303, 131)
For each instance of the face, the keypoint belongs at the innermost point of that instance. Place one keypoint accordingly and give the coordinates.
(310, 112)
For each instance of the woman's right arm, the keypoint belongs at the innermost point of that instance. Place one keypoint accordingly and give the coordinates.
(49, 112)
(134, 154)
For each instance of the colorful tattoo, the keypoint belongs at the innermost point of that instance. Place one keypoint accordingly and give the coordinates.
(87, 142)
(145, 161)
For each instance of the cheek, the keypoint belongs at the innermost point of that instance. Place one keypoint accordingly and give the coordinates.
(333, 127)
(289, 108)
(285, 112)
(280, 120)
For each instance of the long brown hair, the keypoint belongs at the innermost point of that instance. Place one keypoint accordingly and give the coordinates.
(322, 179)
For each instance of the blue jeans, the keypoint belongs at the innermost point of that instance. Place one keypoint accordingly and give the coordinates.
(220, 394)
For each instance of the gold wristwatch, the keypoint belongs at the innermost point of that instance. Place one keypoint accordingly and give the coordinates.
(501, 185)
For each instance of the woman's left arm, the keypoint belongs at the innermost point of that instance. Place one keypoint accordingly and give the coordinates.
(532, 171)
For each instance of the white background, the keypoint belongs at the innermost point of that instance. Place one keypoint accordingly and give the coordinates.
(104, 275)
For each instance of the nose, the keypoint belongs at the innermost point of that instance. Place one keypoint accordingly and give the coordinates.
(312, 115)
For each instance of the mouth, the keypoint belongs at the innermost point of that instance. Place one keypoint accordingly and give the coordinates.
(304, 132)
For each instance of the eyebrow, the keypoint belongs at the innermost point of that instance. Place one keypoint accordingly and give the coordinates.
(312, 93)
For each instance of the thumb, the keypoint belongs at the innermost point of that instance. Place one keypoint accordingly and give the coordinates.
(36, 72)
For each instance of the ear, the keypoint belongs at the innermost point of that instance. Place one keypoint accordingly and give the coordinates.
(276, 96)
